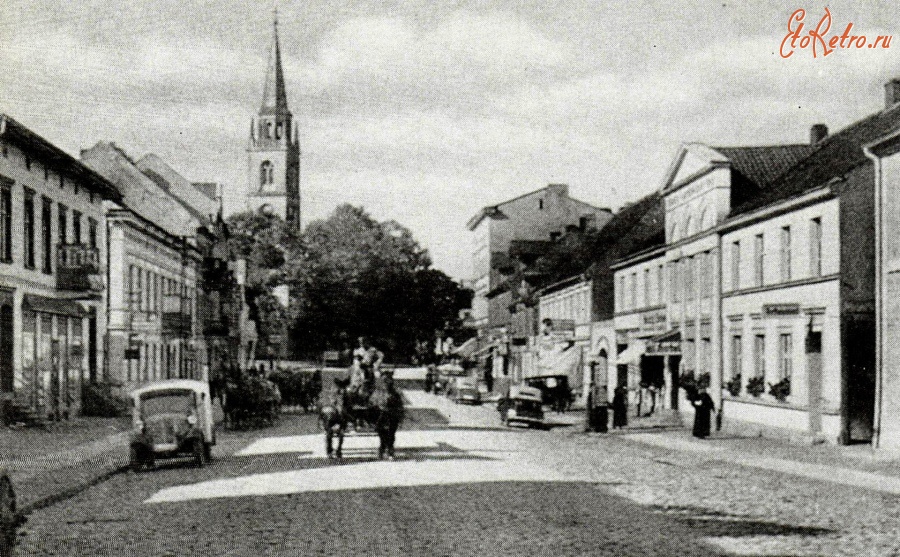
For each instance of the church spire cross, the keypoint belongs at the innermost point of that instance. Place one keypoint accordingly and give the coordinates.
(274, 91)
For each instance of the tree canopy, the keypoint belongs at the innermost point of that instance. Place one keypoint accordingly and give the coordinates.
(349, 275)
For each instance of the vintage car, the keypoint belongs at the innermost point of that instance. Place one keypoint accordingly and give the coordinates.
(446, 373)
(465, 390)
(171, 418)
(522, 405)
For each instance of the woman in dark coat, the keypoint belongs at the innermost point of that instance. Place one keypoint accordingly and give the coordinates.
(703, 407)
(389, 402)
(620, 408)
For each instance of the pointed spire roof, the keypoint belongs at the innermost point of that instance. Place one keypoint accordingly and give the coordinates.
(274, 93)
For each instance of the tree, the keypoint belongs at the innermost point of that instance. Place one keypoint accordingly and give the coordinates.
(351, 276)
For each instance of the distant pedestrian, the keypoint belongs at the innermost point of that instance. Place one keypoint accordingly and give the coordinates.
(703, 409)
(389, 402)
(489, 379)
(620, 408)
(429, 377)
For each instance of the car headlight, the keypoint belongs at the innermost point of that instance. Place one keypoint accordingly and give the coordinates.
(192, 419)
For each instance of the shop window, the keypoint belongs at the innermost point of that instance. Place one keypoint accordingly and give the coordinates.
(759, 356)
(737, 354)
(786, 254)
(786, 349)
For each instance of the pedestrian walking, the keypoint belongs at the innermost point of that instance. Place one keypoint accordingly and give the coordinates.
(429, 377)
(703, 409)
(489, 379)
(620, 408)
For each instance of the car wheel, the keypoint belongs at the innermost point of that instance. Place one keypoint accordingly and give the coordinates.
(199, 453)
(9, 517)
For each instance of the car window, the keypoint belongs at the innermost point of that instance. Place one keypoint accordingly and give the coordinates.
(167, 403)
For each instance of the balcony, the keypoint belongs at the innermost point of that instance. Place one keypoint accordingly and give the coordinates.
(78, 269)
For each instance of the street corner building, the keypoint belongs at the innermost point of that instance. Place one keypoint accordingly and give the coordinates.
(765, 286)
(52, 275)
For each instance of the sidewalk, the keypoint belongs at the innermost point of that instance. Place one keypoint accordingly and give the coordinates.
(855, 466)
(47, 465)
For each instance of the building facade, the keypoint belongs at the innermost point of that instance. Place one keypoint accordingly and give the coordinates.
(539, 216)
(273, 152)
(52, 274)
(156, 236)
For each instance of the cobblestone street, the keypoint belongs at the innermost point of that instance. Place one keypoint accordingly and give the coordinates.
(463, 486)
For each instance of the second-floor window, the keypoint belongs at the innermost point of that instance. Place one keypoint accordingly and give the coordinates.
(633, 290)
(786, 253)
(815, 247)
(660, 284)
(62, 223)
(28, 232)
(647, 291)
(76, 227)
(688, 278)
(675, 270)
(92, 233)
(46, 235)
(736, 265)
(758, 260)
(6, 223)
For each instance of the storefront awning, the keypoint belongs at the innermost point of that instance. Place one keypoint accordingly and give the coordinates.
(632, 354)
(485, 349)
(56, 306)
(466, 349)
(666, 344)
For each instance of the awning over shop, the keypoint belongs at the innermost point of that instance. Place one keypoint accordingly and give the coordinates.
(466, 349)
(633, 353)
(666, 344)
(563, 362)
(56, 306)
(485, 349)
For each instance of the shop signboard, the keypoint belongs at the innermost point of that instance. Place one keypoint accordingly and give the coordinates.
(775, 310)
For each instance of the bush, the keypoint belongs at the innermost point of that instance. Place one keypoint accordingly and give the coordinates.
(756, 385)
(781, 390)
(734, 385)
(100, 400)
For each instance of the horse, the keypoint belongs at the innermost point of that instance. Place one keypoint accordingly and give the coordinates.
(386, 405)
(334, 417)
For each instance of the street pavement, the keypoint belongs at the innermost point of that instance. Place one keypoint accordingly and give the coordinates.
(464, 485)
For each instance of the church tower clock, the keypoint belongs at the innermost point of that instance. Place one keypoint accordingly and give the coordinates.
(274, 150)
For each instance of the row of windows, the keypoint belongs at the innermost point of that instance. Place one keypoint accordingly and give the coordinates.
(693, 277)
(575, 306)
(46, 231)
(786, 264)
(785, 355)
(653, 288)
(147, 291)
(159, 361)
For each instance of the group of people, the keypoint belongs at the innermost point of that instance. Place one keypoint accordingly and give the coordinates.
(701, 401)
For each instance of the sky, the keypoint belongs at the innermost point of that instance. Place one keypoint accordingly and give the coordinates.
(425, 111)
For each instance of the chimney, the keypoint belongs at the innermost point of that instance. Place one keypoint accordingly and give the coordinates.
(817, 133)
(561, 190)
(891, 92)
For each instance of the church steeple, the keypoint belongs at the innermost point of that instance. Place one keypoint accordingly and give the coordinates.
(274, 92)
(273, 153)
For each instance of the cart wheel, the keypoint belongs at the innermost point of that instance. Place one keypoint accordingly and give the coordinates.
(9, 517)
(199, 453)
